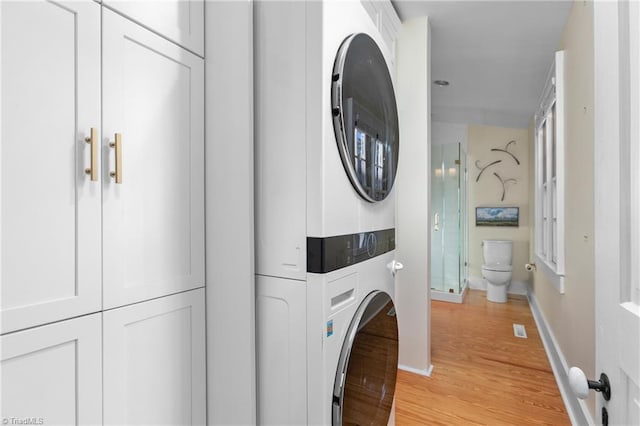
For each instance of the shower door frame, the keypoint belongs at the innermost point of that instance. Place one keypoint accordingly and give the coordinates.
(461, 206)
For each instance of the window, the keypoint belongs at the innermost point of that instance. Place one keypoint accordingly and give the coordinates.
(549, 179)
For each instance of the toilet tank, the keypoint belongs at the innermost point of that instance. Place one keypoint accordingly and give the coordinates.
(497, 252)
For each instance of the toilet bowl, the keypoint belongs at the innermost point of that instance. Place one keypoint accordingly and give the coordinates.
(497, 278)
(497, 269)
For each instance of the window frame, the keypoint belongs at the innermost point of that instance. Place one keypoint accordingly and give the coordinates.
(549, 135)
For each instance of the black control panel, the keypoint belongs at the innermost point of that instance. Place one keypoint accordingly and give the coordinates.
(331, 253)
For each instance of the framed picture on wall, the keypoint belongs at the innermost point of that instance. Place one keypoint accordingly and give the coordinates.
(497, 216)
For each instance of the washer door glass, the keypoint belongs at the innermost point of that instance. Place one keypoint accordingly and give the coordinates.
(365, 117)
(366, 375)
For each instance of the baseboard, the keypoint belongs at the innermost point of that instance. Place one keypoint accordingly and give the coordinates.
(577, 409)
(516, 287)
(426, 373)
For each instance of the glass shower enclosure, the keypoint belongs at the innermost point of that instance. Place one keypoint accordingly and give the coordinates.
(449, 225)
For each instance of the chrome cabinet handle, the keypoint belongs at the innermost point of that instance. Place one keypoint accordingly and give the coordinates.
(436, 220)
(92, 139)
(117, 145)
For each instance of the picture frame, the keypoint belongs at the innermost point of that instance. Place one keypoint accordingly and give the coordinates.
(498, 216)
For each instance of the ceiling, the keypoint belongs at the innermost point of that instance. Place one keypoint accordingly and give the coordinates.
(495, 54)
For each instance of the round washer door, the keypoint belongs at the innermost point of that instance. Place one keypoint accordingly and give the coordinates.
(365, 117)
(366, 376)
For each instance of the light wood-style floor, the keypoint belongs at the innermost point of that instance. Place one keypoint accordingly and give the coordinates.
(482, 373)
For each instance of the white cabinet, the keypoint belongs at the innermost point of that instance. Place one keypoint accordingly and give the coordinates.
(280, 150)
(76, 243)
(61, 229)
(52, 374)
(51, 211)
(282, 345)
(386, 19)
(181, 21)
(153, 95)
(154, 363)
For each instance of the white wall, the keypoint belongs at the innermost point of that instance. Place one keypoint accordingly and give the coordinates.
(412, 194)
(230, 295)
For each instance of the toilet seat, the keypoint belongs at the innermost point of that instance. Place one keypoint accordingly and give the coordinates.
(497, 267)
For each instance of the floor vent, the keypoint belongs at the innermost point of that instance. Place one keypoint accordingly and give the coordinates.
(519, 331)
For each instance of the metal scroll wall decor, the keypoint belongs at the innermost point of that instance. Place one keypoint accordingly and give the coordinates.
(504, 183)
(506, 150)
(502, 180)
(483, 168)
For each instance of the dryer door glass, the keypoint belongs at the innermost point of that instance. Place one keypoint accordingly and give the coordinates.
(365, 117)
(366, 375)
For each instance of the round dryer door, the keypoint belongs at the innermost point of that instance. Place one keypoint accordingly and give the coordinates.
(366, 376)
(365, 117)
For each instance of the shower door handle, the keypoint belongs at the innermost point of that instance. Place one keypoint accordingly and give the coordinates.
(436, 222)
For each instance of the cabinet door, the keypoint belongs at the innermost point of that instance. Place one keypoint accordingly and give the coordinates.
(154, 362)
(153, 231)
(181, 21)
(282, 351)
(52, 374)
(50, 217)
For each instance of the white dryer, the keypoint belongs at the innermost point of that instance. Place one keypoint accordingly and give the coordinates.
(326, 132)
(357, 357)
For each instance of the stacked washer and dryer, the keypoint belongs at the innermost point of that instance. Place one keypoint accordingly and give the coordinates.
(326, 156)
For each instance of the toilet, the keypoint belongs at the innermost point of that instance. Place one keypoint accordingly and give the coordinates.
(496, 268)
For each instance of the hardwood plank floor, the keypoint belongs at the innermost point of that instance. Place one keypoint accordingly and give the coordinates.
(483, 374)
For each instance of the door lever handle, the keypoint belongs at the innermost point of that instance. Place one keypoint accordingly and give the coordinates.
(580, 385)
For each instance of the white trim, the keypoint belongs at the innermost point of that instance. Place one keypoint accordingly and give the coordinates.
(577, 409)
(560, 161)
(547, 201)
(547, 93)
(554, 277)
(538, 214)
(425, 373)
(549, 141)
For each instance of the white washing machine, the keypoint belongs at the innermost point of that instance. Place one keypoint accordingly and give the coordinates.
(357, 357)
(326, 150)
